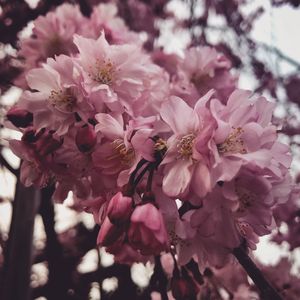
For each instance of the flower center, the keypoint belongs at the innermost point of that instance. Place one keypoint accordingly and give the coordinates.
(104, 72)
(120, 151)
(63, 101)
(200, 80)
(55, 46)
(246, 198)
(233, 143)
(185, 146)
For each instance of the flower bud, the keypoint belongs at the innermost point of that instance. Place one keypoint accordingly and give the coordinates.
(184, 287)
(109, 233)
(147, 231)
(86, 138)
(119, 209)
(20, 117)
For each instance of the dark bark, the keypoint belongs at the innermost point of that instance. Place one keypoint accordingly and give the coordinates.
(18, 253)
(267, 291)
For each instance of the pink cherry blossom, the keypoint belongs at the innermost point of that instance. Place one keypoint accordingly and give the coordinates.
(52, 35)
(57, 97)
(117, 75)
(245, 136)
(36, 149)
(168, 156)
(119, 208)
(121, 149)
(104, 18)
(185, 167)
(202, 69)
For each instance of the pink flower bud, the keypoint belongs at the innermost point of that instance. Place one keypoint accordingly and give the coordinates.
(86, 138)
(147, 231)
(20, 117)
(109, 233)
(47, 144)
(184, 288)
(119, 208)
(167, 262)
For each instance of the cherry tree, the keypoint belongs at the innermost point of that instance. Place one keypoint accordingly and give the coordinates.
(179, 167)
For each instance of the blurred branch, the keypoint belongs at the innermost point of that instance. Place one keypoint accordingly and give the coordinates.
(267, 291)
(4, 163)
(54, 252)
(263, 45)
(15, 281)
(280, 54)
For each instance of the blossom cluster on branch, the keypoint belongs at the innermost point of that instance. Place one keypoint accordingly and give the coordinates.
(165, 151)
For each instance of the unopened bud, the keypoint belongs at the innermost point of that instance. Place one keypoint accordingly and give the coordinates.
(119, 208)
(184, 288)
(86, 138)
(108, 233)
(20, 117)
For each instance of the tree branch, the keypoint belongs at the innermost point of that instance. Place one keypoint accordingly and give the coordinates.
(267, 291)
(5, 163)
(280, 54)
(15, 283)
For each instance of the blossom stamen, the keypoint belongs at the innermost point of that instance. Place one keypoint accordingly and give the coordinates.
(233, 143)
(246, 199)
(185, 146)
(62, 100)
(104, 72)
(120, 151)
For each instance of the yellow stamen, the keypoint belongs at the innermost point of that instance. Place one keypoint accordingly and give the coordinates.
(120, 151)
(104, 72)
(185, 146)
(233, 143)
(62, 100)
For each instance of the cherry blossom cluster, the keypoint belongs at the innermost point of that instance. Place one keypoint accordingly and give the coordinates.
(164, 150)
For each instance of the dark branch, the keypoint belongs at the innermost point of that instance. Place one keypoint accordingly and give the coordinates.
(5, 163)
(267, 291)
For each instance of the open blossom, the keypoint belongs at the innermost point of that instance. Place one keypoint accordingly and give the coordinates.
(147, 231)
(185, 167)
(105, 18)
(202, 69)
(57, 95)
(52, 35)
(120, 149)
(36, 149)
(116, 76)
(245, 137)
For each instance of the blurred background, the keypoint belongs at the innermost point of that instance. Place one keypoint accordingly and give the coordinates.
(261, 38)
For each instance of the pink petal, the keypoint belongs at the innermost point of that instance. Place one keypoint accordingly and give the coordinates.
(178, 115)
(109, 126)
(178, 178)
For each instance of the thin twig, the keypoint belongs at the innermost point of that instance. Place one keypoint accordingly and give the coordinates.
(5, 163)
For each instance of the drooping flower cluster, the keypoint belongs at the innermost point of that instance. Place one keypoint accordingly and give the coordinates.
(165, 152)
